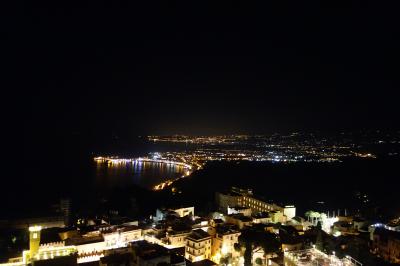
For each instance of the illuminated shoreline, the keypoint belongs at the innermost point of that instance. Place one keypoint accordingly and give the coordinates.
(115, 160)
(118, 161)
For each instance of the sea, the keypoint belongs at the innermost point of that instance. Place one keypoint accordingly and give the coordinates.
(35, 181)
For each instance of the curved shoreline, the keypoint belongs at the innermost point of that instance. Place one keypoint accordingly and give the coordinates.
(160, 186)
(140, 159)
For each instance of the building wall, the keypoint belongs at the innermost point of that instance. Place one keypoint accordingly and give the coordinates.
(185, 211)
(257, 205)
(248, 201)
(226, 200)
(121, 238)
(130, 236)
(278, 217)
(198, 250)
(46, 253)
(111, 239)
(223, 245)
(182, 212)
(239, 223)
(263, 220)
(178, 240)
(289, 212)
(245, 212)
(91, 247)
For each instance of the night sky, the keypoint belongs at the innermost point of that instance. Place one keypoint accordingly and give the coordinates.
(99, 71)
(90, 77)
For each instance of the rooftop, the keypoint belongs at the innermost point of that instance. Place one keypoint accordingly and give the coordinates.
(241, 217)
(198, 234)
(148, 251)
(226, 230)
(121, 228)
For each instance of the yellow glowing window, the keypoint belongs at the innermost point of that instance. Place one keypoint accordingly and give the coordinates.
(35, 235)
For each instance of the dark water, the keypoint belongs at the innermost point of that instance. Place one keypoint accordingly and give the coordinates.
(43, 174)
(143, 174)
(84, 181)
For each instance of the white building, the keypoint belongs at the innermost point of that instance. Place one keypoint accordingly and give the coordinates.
(242, 198)
(120, 236)
(161, 214)
(289, 212)
(237, 210)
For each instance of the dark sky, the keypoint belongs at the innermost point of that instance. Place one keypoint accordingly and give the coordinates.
(91, 76)
(99, 70)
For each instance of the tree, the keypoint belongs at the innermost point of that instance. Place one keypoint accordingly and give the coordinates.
(256, 237)
(226, 260)
(319, 243)
(259, 261)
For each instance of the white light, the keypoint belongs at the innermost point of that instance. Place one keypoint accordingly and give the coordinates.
(35, 228)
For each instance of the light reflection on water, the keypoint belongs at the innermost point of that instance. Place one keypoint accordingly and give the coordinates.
(144, 174)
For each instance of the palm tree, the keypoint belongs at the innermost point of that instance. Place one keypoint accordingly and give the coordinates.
(312, 216)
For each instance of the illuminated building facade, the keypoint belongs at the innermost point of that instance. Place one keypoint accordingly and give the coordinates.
(262, 218)
(289, 211)
(223, 243)
(243, 198)
(237, 210)
(177, 239)
(198, 246)
(161, 214)
(116, 237)
(38, 253)
(34, 240)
